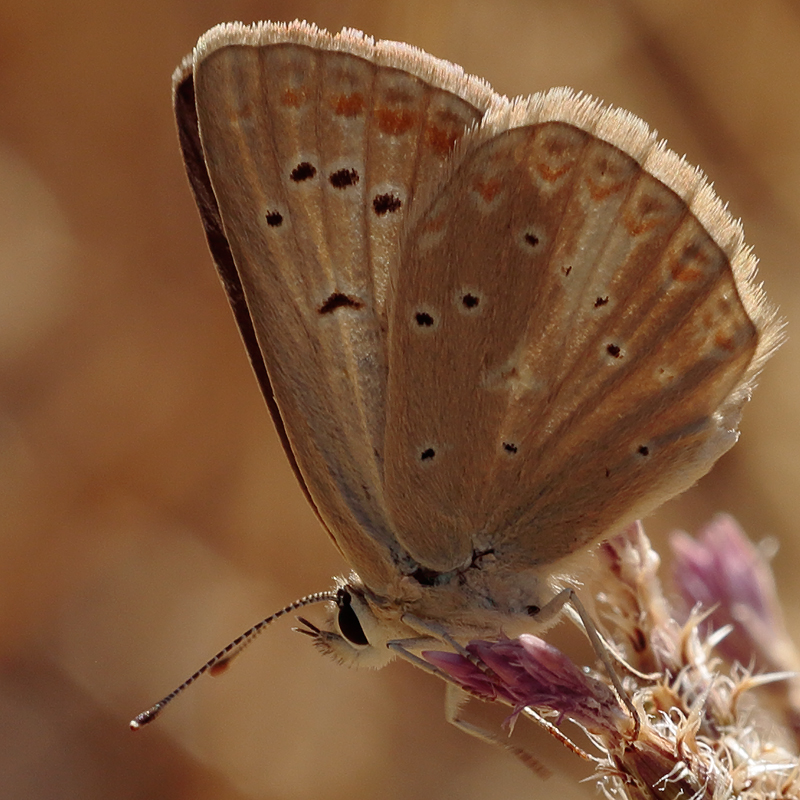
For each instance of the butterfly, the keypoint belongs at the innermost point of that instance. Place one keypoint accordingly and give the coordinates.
(491, 332)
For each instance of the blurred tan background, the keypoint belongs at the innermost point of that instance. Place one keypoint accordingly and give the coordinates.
(147, 513)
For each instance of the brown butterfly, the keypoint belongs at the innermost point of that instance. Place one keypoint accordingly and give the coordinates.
(491, 332)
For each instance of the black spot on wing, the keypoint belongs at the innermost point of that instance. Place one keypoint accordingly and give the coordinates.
(386, 204)
(343, 178)
(340, 300)
(304, 171)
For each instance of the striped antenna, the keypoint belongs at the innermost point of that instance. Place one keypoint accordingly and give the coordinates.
(222, 659)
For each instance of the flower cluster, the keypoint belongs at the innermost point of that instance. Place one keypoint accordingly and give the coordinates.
(702, 730)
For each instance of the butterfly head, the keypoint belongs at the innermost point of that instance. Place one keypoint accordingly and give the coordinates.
(354, 634)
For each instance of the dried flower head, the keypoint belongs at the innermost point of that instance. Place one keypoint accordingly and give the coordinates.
(701, 734)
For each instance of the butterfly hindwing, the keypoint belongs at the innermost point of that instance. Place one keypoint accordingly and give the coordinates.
(576, 341)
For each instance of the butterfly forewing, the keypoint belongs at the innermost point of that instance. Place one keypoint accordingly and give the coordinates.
(315, 157)
(572, 332)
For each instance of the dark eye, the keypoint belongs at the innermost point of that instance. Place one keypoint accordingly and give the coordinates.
(349, 625)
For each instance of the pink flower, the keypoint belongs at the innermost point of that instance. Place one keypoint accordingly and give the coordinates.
(530, 672)
(725, 574)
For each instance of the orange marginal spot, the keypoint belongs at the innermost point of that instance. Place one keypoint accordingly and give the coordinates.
(349, 105)
(394, 122)
(488, 189)
(293, 99)
(219, 667)
(636, 225)
(552, 175)
(724, 342)
(690, 264)
(684, 274)
(440, 140)
(602, 191)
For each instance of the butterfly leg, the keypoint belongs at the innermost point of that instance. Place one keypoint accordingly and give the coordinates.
(601, 648)
(455, 698)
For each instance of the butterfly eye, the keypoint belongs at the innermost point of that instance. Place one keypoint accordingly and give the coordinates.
(349, 624)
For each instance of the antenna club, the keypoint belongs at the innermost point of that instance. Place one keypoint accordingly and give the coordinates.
(140, 720)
